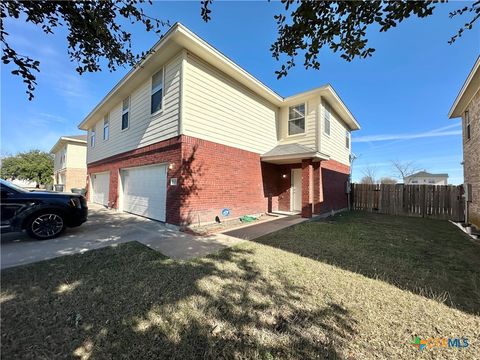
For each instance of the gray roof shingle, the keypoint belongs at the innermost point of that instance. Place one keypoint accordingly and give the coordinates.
(289, 149)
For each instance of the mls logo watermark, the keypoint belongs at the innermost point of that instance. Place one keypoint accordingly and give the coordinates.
(435, 342)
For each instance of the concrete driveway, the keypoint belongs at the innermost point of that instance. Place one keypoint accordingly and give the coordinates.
(106, 228)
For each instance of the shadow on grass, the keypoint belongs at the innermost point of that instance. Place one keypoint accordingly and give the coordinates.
(131, 302)
(428, 257)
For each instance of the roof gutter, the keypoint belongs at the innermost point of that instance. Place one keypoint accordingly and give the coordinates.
(465, 86)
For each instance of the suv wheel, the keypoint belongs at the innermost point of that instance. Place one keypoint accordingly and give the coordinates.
(46, 225)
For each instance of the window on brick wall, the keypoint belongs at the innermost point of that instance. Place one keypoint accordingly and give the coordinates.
(467, 125)
(296, 119)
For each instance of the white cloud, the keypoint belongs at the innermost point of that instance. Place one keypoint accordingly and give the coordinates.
(443, 131)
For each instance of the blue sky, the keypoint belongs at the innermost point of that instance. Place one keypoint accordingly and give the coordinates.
(400, 96)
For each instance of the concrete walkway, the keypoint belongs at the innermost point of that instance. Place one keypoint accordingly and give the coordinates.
(256, 230)
(108, 228)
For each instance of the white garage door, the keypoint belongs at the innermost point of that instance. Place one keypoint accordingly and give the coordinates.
(100, 187)
(145, 191)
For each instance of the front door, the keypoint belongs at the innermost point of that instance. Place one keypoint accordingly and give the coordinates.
(296, 190)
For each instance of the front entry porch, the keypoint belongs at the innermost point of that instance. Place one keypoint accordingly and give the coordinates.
(300, 180)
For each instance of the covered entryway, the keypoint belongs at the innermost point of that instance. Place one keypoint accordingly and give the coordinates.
(145, 191)
(100, 188)
(304, 189)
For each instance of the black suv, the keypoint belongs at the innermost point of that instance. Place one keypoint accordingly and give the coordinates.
(43, 214)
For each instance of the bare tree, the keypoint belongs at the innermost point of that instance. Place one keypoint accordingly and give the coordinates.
(369, 175)
(404, 168)
(367, 180)
(388, 180)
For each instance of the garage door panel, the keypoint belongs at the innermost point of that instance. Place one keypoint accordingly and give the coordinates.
(100, 188)
(144, 191)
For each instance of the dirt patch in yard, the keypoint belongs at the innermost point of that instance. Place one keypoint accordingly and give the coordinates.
(226, 225)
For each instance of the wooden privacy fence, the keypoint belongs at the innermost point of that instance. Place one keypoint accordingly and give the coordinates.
(436, 201)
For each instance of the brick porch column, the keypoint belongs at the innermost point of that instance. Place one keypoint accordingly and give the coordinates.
(307, 185)
(317, 188)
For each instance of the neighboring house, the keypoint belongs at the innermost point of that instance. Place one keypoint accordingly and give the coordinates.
(467, 106)
(70, 169)
(191, 137)
(425, 178)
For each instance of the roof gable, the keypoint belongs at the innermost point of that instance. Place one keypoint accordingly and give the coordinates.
(179, 37)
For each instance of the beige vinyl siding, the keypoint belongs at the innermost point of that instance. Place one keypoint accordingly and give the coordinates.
(57, 161)
(334, 144)
(309, 137)
(76, 156)
(144, 129)
(219, 109)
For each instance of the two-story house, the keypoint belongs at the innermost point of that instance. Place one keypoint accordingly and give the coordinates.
(467, 107)
(70, 162)
(426, 178)
(191, 137)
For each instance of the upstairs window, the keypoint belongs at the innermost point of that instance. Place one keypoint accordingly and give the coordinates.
(296, 119)
(326, 120)
(347, 139)
(106, 127)
(92, 138)
(467, 125)
(157, 92)
(125, 113)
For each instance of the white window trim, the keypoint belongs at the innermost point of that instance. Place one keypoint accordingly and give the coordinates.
(468, 123)
(93, 136)
(107, 118)
(347, 133)
(163, 92)
(326, 108)
(124, 111)
(304, 117)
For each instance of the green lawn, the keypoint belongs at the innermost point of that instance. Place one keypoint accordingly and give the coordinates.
(316, 290)
(428, 257)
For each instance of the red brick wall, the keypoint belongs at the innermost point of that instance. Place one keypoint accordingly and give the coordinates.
(307, 188)
(329, 179)
(218, 176)
(212, 176)
(471, 159)
(334, 176)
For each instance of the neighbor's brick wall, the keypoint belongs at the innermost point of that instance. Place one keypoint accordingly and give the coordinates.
(75, 178)
(471, 158)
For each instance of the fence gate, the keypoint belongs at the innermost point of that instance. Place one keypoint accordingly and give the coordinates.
(436, 201)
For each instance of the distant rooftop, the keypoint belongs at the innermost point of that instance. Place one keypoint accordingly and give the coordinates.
(426, 174)
(66, 138)
(77, 137)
